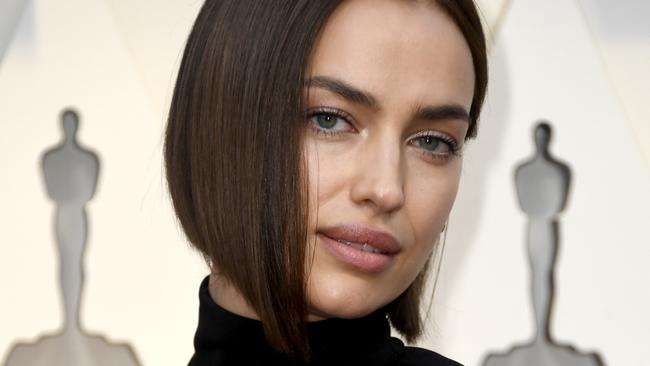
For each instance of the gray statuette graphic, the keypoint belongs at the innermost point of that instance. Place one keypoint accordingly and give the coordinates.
(70, 173)
(542, 185)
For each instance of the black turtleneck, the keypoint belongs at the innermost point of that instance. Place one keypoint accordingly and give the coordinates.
(225, 338)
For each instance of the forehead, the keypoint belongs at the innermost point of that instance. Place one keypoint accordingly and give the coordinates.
(398, 50)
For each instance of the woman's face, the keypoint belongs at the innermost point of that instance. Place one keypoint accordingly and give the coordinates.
(390, 84)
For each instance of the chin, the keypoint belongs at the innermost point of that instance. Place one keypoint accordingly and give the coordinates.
(326, 311)
(344, 297)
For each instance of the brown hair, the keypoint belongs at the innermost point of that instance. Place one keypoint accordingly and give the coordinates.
(232, 143)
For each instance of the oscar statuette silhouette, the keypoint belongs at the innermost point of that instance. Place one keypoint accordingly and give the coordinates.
(542, 185)
(70, 173)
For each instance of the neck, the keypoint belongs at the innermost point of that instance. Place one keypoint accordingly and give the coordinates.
(228, 297)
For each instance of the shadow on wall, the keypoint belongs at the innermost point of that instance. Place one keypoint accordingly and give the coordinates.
(70, 173)
(11, 14)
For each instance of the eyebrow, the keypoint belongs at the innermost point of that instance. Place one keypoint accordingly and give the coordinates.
(442, 112)
(339, 87)
(356, 95)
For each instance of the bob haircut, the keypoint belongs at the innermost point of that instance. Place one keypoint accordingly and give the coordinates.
(232, 153)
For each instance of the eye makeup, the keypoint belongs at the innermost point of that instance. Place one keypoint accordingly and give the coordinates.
(431, 144)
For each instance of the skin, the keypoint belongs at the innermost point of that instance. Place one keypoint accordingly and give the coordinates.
(374, 166)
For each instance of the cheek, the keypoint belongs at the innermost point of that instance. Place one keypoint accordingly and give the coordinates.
(328, 168)
(311, 165)
(429, 202)
(321, 176)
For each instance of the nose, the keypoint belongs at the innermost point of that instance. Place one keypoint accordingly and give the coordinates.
(379, 180)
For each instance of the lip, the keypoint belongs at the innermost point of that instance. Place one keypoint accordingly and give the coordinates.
(367, 261)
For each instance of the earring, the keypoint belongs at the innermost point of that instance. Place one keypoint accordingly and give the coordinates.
(444, 227)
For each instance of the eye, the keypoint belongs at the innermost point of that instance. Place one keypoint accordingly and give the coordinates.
(326, 120)
(329, 121)
(432, 143)
(435, 145)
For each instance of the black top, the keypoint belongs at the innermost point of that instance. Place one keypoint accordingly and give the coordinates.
(225, 338)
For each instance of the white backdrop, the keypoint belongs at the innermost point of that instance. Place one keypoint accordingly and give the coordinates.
(114, 61)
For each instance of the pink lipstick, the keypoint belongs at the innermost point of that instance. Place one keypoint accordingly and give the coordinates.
(360, 246)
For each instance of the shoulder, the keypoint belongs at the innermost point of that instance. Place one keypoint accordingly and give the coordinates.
(415, 356)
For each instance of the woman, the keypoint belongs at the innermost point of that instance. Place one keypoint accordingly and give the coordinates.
(313, 154)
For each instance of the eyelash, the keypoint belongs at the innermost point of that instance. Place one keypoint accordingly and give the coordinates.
(330, 112)
(452, 144)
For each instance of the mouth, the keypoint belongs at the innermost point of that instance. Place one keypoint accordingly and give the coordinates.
(360, 247)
